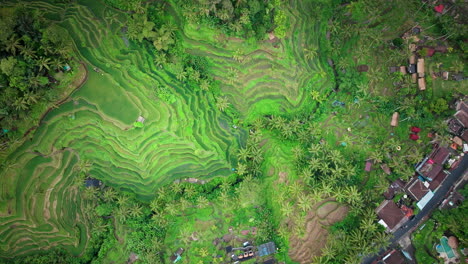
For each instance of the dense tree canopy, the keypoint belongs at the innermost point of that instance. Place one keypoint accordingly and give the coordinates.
(30, 50)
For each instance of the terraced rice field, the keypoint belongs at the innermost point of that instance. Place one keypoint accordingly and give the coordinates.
(40, 208)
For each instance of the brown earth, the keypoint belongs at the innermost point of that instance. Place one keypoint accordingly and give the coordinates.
(302, 249)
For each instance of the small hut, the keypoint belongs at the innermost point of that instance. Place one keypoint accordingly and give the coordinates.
(363, 68)
(412, 59)
(445, 75)
(422, 84)
(453, 242)
(394, 121)
(457, 141)
(420, 67)
(414, 77)
(403, 69)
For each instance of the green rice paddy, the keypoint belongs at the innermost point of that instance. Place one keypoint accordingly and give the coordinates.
(41, 207)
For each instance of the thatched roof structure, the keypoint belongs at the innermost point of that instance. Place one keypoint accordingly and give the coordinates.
(453, 242)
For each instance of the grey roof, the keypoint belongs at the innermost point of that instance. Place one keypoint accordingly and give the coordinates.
(90, 182)
(266, 249)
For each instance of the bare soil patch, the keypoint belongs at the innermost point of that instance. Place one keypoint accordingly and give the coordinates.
(302, 249)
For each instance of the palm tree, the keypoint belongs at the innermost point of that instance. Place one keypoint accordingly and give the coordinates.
(222, 103)
(277, 122)
(203, 252)
(243, 154)
(241, 168)
(160, 59)
(181, 75)
(183, 204)
(316, 96)
(162, 193)
(205, 85)
(305, 202)
(189, 191)
(368, 225)
(136, 211)
(176, 188)
(28, 52)
(13, 44)
(122, 214)
(122, 200)
(202, 202)
(155, 205)
(295, 189)
(109, 195)
(238, 55)
(286, 209)
(287, 131)
(44, 63)
(354, 197)
(376, 155)
(90, 193)
(232, 75)
(310, 53)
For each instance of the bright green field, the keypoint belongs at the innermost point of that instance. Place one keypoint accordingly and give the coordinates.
(41, 209)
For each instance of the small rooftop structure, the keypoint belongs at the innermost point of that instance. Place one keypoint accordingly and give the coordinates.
(426, 198)
(391, 216)
(362, 68)
(462, 116)
(132, 258)
(422, 84)
(457, 141)
(403, 69)
(412, 69)
(420, 67)
(177, 255)
(141, 119)
(386, 169)
(368, 166)
(91, 182)
(266, 249)
(394, 121)
(395, 187)
(393, 69)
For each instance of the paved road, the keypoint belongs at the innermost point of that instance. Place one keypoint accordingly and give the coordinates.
(439, 196)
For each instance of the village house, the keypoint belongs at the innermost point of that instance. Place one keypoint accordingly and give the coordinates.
(391, 216)
(419, 191)
(433, 164)
(459, 122)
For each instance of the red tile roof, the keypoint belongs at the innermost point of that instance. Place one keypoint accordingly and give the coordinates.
(416, 189)
(439, 155)
(389, 212)
(437, 180)
(368, 166)
(394, 257)
(464, 136)
(462, 116)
